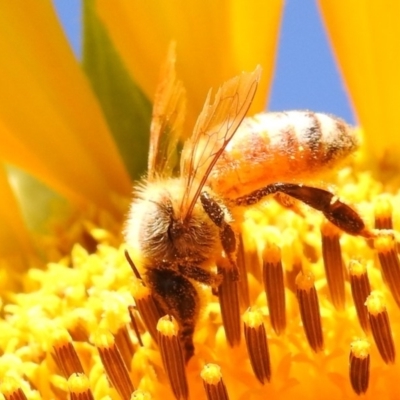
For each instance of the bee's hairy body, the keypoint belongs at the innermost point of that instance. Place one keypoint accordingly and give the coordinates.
(176, 255)
(162, 235)
(181, 227)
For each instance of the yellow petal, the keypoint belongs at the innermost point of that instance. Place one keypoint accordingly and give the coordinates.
(366, 39)
(14, 238)
(50, 122)
(215, 41)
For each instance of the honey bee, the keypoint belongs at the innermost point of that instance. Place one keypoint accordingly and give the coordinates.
(183, 225)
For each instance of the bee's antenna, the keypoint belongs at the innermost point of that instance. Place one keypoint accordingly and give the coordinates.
(133, 266)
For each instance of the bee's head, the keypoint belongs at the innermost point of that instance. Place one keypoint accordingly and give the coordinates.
(156, 226)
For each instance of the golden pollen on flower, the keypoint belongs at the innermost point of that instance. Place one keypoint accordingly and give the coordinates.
(359, 365)
(257, 344)
(172, 356)
(78, 385)
(213, 384)
(141, 395)
(274, 287)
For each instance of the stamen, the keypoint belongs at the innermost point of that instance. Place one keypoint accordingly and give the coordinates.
(147, 307)
(124, 344)
(380, 326)
(78, 331)
(333, 263)
(291, 274)
(113, 363)
(252, 259)
(359, 365)
(244, 296)
(385, 245)
(213, 384)
(274, 287)
(65, 355)
(257, 345)
(141, 395)
(172, 356)
(229, 302)
(79, 389)
(383, 214)
(134, 324)
(11, 390)
(360, 290)
(309, 310)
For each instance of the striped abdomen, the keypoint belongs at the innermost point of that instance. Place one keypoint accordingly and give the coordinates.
(280, 147)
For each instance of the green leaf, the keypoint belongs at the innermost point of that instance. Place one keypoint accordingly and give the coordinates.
(126, 108)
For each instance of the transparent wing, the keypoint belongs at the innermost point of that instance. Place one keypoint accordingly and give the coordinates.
(215, 127)
(166, 127)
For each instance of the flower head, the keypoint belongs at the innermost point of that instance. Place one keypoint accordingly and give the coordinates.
(315, 313)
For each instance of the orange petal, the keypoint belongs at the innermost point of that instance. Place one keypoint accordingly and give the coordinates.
(215, 41)
(365, 36)
(50, 122)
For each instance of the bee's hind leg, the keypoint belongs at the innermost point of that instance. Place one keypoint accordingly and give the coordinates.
(227, 235)
(337, 212)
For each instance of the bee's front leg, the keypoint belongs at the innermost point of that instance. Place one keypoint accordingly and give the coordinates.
(200, 275)
(227, 235)
(177, 296)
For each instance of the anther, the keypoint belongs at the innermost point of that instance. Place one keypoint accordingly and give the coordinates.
(257, 345)
(309, 310)
(172, 356)
(244, 296)
(213, 384)
(359, 365)
(385, 245)
(141, 395)
(113, 364)
(274, 287)
(124, 344)
(78, 386)
(65, 355)
(134, 323)
(383, 214)
(360, 290)
(252, 259)
(333, 263)
(11, 390)
(229, 302)
(146, 306)
(380, 326)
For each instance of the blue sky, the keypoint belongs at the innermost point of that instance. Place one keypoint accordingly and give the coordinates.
(306, 76)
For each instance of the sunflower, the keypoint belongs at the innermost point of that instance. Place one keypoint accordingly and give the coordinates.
(76, 322)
